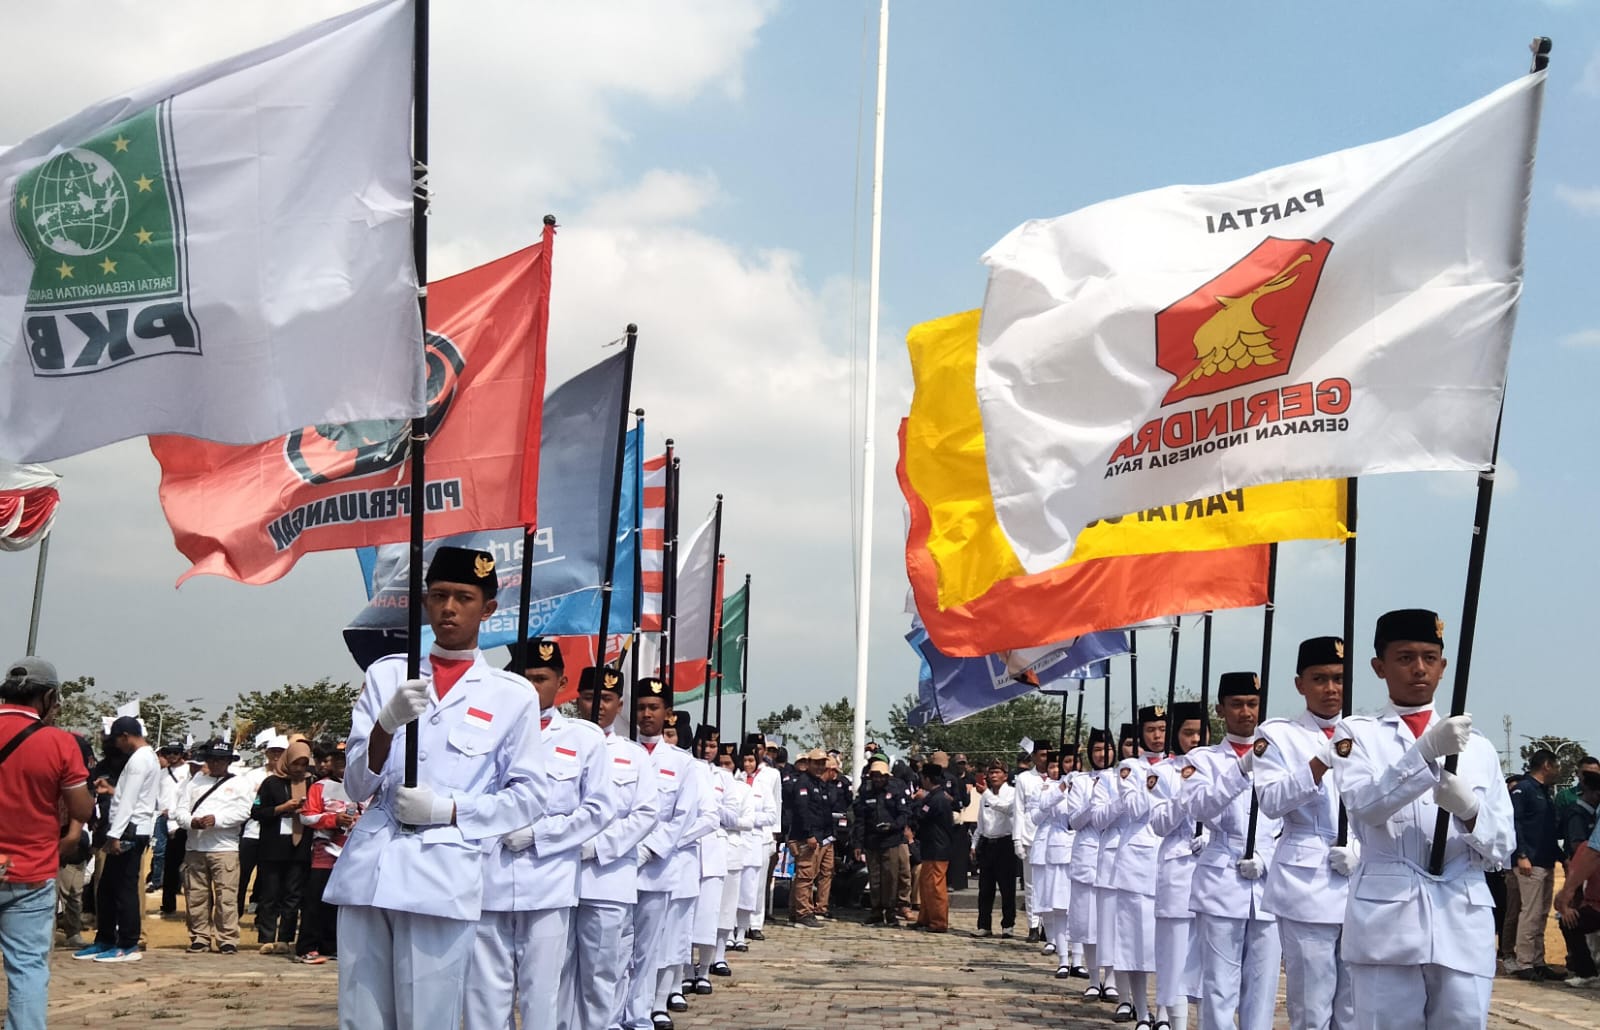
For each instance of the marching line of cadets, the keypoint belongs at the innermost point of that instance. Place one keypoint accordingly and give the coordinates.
(546, 866)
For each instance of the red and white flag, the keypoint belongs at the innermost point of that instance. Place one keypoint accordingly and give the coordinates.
(652, 542)
(28, 503)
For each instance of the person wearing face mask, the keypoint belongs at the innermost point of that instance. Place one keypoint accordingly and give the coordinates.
(1420, 947)
(284, 860)
(1308, 883)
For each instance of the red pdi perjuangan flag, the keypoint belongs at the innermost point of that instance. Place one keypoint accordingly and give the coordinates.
(249, 513)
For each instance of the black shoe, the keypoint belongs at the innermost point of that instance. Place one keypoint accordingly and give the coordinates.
(810, 922)
(1049, 949)
(677, 1002)
(738, 946)
(876, 919)
(1108, 992)
(1093, 992)
(755, 935)
(1532, 973)
(1143, 1024)
(721, 969)
(1080, 973)
(894, 924)
(151, 888)
(198, 947)
(228, 949)
(1124, 1014)
(1033, 934)
(660, 1021)
(1063, 972)
(1161, 1024)
(688, 986)
(703, 986)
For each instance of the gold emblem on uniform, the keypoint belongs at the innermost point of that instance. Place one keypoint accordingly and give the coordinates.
(1260, 747)
(1187, 772)
(1338, 648)
(1438, 624)
(1342, 748)
(1150, 781)
(612, 679)
(1161, 713)
(547, 651)
(483, 566)
(672, 718)
(1124, 773)
(1257, 680)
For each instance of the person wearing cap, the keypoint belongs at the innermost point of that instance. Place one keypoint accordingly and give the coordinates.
(1082, 925)
(672, 983)
(768, 785)
(119, 903)
(933, 819)
(1308, 882)
(740, 860)
(810, 822)
(596, 960)
(1051, 858)
(409, 884)
(1420, 947)
(211, 808)
(718, 858)
(664, 867)
(1104, 813)
(1135, 873)
(1177, 963)
(41, 771)
(836, 792)
(1029, 783)
(530, 879)
(880, 823)
(166, 861)
(1234, 932)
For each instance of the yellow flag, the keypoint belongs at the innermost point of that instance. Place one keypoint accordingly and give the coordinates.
(946, 466)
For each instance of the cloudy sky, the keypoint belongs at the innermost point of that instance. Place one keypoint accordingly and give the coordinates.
(709, 162)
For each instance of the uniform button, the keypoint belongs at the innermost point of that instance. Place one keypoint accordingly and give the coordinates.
(434, 720)
(422, 756)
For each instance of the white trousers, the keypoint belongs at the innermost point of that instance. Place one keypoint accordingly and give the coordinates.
(1417, 998)
(728, 911)
(591, 977)
(1027, 893)
(649, 930)
(1316, 983)
(752, 880)
(677, 948)
(399, 970)
(707, 911)
(1177, 964)
(1239, 961)
(517, 956)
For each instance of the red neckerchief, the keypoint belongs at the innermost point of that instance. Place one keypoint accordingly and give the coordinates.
(1239, 749)
(447, 672)
(544, 722)
(1418, 721)
(650, 748)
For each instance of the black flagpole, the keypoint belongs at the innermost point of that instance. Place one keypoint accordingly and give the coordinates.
(1133, 687)
(744, 667)
(638, 553)
(1480, 541)
(1172, 692)
(1111, 742)
(711, 629)
(720, 562)
(612, 524)
(1077, 724)
(1266, 671)
(419, 426)
(1061, 734)
(1205, 680)
(1349, 630)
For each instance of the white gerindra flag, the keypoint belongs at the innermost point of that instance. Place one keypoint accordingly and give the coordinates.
(226, 254)
(1346, 315)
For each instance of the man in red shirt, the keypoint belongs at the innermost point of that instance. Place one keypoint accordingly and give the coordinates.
(41, 774)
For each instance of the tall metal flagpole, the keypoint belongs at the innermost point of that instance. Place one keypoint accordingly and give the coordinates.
(638, 553)
(1172, 693)
(1266, 671)
(864, 587)
(1348, 706)
(1133, 679)
(419, 426)
(1480, 541)
(721, 560)
(669, 565)
(1205, 691)
(1111, 742)
(631, 343)
(38, 595)
(1077, 724)
(711, 629)
(744, 667)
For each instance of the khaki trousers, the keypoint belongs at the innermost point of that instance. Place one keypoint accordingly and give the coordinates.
(211, 890)
(900, 855)
(934, 912)
(69, 891)
(825, 878)
(1535, 890)
(807, 864)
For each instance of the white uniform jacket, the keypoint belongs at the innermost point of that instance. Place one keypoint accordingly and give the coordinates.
(1105, 815)
(1176, 858)
(1052, 833)
(580, 804)
(1218, 795)
(1398, 914)
(230, 803)
(613, 873)
(1300, 885)
(678, 798)
(1081, 789)
(716, 847)
(741, 800)
(757, 841)
(1023, 830)
(771, 780)
(1135, 870)
(479, 746)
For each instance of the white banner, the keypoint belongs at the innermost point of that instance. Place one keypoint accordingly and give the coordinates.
(225, 254)
(1343, 316)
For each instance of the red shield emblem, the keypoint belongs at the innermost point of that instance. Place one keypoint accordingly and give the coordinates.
(1243, 325)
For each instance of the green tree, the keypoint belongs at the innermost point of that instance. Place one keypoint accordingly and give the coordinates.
(163, 717)
(1568, 753)
(779, 723)
(317, 710)
(992, 733)
(833, 726)
(81, 707)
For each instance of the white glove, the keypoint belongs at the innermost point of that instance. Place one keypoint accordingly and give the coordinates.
(1251, 868)
(1342, 860)
(1445, 737)
(420, 806)
(1197, 844)
(1022, 852)
(1456, 796)
(409, 700)
(1325, 753)
(645, 855)
(518, 840)
(1247, 761)
(588, 853)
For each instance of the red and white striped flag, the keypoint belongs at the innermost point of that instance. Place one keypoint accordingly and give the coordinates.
(652, 542)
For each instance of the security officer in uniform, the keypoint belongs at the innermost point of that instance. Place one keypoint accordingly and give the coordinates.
(409, 884)
(1309, 879)
(1420, 947)
(531, 880)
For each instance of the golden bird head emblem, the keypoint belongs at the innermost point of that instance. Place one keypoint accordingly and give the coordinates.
(547, 651)
(1338, 648)
(483, 566)
(1235, 337)
(612, 679)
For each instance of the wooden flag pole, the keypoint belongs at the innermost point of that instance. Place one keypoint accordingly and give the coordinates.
(1266, 671)
(631, 342)
(419, 426)
(711, 611)
(1347, 707)
(1480, 541)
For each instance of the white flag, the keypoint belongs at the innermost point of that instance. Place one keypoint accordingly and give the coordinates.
(1346, 315)
(266, 735)
(696, 587)
(226, 254)
(131, 708)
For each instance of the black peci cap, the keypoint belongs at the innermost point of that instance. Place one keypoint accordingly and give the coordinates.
(1238, 684)
(542, 653)
(1319, 651)
(1414, 624)
(1152, 713)
(605, 676)
(464, 565)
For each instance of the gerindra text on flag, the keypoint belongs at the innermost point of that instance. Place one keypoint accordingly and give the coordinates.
(1346, 315)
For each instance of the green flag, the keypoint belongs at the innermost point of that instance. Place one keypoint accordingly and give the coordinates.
(730, 657)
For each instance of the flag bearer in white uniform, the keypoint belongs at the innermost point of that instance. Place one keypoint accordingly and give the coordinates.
(1106, 814)
(1051, 856)
(1029, 783)
(677, 805)
(530, 882)
(765, 790)
(1135, 875)
(409, 884)
(1081, 922)
(1309, 879)
(740, 860)
(1067, 766)
(1177, 961)
(673, 984)
(1420, 948)
(594, 974)
(1239, 950)
(718, 855)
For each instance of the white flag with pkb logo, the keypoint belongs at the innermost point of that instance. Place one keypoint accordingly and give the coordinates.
(1346, 315)
(224, 255)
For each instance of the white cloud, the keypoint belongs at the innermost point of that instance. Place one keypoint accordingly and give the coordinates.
(659, 196)
(1585, 200)
(1582, 339)
(1589, 80)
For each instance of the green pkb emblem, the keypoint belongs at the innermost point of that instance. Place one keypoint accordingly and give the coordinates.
(103, 222)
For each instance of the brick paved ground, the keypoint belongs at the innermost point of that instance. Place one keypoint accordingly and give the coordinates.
(796, 978)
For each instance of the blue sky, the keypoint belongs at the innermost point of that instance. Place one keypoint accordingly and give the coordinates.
(703, 159)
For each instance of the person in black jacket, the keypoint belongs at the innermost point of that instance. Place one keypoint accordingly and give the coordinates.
(284, 861)
(1538, 849)
(836, 792)
(810, 817)
(880, 822)
(934, 822)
